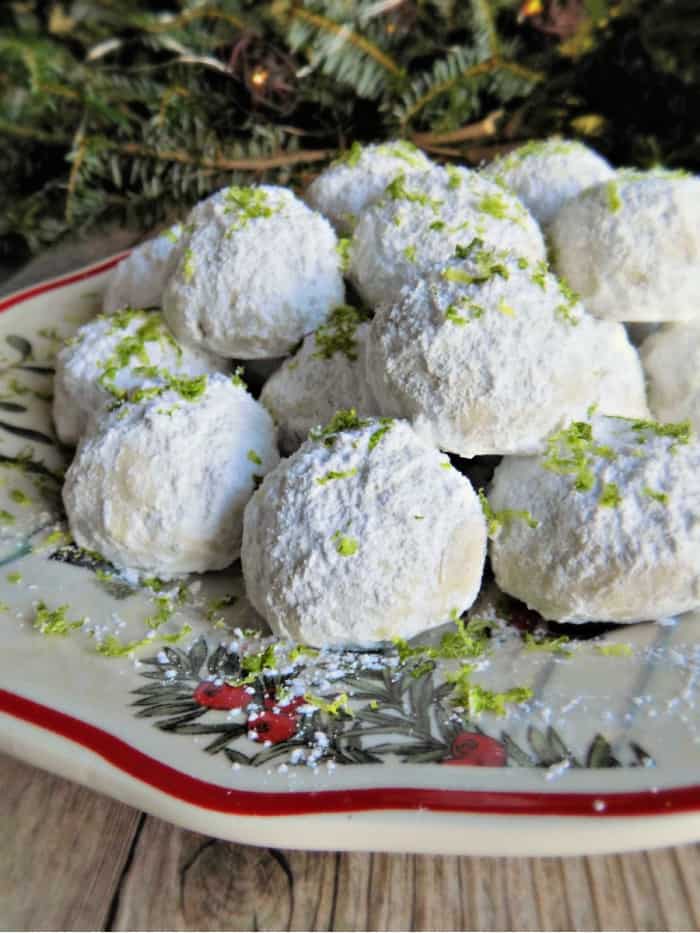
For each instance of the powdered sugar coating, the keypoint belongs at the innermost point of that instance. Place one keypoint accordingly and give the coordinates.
(251, 281)
(547, 173)
(358, 179)
(587, 561)
(494, 367)
(671, 359)
(80, 397)
(309, 388)
(139, 279)
(412, 531)
(416, 228)
(160, 486)
(631, 247)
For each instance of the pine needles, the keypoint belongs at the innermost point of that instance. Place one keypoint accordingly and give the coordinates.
(130, 112)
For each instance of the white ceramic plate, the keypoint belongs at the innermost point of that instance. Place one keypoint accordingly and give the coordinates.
(604, 756)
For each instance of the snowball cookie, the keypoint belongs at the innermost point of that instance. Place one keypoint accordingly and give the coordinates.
(420, 221)
(362, 535)
(493, 353)
(546, 173)
(257, 271)
(605, 526)
(112, 355)
(631, 246)
(325, 375)
(139, 279)
(359, 178)
(160, 485)
(671, 360)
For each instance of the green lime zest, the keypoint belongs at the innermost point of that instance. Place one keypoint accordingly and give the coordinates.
(496, 520)
(188, 266)
(410, 253)
(344, 420)
(14, 577)
(551, 645)
(237, 378)
(247, 204)
(336, 474)
(565, 310)
(454, 177)
(342, 248)
(539, 276)
(338, 334)
(656, 495)
(351, 157)
(254, 457)
(253, 665)
(397, 191)
(476, 699)
(376, 436)
(345, 545)
(301, 651)
(54, 621)
(615, 650)
(339, 706)
(612, 192)
(610, 496)
(7, 518)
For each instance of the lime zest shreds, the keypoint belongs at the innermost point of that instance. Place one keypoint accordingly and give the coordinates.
(376, 436)
(494, 204)
(237, 378)
(552, 645)
(565, 310)
(14, 577)
(397, 191)
(344, 544)
(487, 261)
(336, 474)
(454, 317)
(344, 420)
(680, 431)
(54, 621)
(351, 157)
(539, 276)
(300, 651)
(496, 520)
(132, 348)
(253, 665)
(189, 389)
(437, 225)
(7, 518)
(656, 495)
(615, 650)
(20, 497)
(610, 496)
(410, 253)
(254, 457)
(247, 204)
(522, 262)
(612, 193)
(568, 453)
(341, 704)
(454, 176)
(111, 647)
(505, 308)
(476, 699)
(338, 334)
(163, 613)
(188, 267)
(404, 150)
(342, 248)
(173, 234)
(469, 640)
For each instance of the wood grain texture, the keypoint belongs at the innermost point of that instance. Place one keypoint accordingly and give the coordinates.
(74, 860)
(64, 850)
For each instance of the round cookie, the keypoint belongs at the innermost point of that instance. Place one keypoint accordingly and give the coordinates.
(422, 219)
(605, 526)
(160, 485)
(671, 359)
(493, 353)
(256, 271)
(139, 279)
(364, 534)
(109, 356)
(545, 174)
(325, 375)
(359, 178)
(631, 246)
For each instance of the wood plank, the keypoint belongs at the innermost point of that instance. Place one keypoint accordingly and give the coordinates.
(669, 888)
(64, 849)
(609, 893)
(579, 894)
(483, 887)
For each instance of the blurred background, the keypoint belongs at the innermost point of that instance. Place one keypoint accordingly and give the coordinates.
(118, 112)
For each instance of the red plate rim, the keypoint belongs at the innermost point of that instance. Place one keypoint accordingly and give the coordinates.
(192, 790)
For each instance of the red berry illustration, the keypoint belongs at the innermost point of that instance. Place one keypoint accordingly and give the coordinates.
(284, 706)
(476, 750)
(272, 727)
(221, 696)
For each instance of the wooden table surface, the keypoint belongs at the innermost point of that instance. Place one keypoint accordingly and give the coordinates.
(72, 859)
